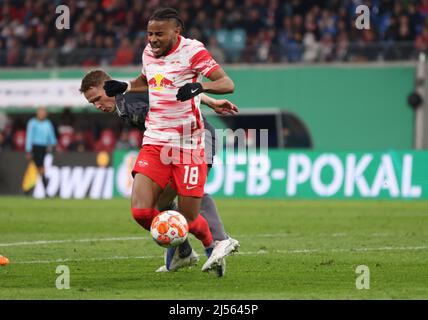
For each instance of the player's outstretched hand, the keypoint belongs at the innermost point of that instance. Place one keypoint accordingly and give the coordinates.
(114, 87)
(224, 107)
(189, 90)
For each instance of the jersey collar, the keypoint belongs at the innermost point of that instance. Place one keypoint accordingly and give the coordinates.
(175, 47)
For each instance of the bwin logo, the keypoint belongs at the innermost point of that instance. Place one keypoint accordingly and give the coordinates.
(75, 182)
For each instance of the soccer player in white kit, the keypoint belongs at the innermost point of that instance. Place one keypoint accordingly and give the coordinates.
(173, 143)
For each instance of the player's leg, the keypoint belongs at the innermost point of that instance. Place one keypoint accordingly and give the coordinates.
(182, 258)
(198, 225)
(189, 180)
(224, 246)
(145, 193)
(208, 210)
(189, 175)
(215, 251)
(210, 213)
(166, 199)
(184, 255)
(189, 206)
(150, 177)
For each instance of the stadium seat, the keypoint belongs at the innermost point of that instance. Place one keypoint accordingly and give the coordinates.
(222, 37)
(135, 138)
(233, 42)
(238, 38)
(106, 142)
(65, 139)
(18, 140)
(124, 54)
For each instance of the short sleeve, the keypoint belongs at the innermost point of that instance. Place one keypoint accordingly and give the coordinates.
(202, 61)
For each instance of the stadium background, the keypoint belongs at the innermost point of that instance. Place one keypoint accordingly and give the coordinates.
(304, 72)
(334, 98)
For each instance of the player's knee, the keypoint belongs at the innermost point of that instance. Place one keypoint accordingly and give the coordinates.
(191, 213)
(144, 216)
(191, 216)
(163, 206)
(140, 202)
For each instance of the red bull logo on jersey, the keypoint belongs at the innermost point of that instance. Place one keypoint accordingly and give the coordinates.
(158, 82)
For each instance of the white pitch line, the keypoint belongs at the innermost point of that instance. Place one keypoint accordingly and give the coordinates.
(42, 242)
(81, 260)
(260, 252)
(266, 235)
(423, 247)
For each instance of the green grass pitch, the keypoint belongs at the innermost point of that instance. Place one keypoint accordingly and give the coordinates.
(289, 250)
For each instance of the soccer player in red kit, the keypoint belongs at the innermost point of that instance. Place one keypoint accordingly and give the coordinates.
(173, 143)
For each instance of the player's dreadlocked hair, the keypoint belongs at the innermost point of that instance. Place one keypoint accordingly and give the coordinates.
(167, 14)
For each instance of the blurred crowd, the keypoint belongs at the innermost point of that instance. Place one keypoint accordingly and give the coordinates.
(112, 32)
(71, 134)
(95, 132)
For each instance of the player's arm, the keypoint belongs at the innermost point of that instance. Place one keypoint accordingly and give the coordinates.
(114, 87)
(139, 84)
(220, 106)
(133, 110)
(220, 83)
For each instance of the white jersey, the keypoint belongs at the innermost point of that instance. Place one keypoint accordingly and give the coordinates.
(169, 121)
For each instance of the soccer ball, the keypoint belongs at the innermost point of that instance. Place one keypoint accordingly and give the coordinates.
(169, 229)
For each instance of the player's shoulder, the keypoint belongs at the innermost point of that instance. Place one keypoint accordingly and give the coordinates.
(191, 43)
(191, 47)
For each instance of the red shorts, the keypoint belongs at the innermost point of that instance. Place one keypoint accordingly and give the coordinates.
(185, 169)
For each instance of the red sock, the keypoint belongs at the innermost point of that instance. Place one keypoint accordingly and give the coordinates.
(200, 229)
(144, 216)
